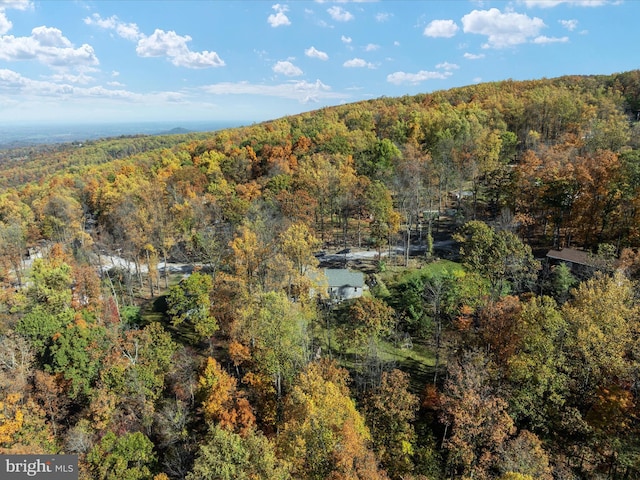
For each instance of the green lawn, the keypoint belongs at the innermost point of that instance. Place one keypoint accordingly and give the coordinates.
(418, 361)
(395, 274)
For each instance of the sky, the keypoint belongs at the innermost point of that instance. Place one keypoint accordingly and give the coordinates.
(242, 61)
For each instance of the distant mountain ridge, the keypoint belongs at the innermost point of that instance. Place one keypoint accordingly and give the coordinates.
(175, 131)
(592, 109)
(16, 136)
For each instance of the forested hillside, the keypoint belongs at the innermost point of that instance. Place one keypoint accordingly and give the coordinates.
(164, 312)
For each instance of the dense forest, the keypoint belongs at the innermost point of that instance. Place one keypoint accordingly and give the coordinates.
(164, 312)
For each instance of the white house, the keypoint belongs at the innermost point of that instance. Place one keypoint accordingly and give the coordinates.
(344, 284)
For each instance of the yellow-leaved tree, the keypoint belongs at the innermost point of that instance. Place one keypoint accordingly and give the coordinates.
(324, 436)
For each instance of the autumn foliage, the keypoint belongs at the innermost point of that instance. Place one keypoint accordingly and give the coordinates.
(164, 312)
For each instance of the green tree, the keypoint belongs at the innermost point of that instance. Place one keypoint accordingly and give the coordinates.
(126, 457)
(190, 302)
(365, 319)
(276, 331)
(408, 301)
(390, 410)
(602, 321)
(137, 374)
(537, 371)
(50, 285)
(40, 325)
(225, 455)
(48, 307)
(377, 162)
(561, 282)
(385, 221)
(77, 352)
(501, 257)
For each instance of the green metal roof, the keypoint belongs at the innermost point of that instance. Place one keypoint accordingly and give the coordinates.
(341, 277)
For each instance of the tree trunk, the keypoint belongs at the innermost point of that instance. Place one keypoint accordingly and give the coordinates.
(149, 275)
(166, 269)
(407, 246)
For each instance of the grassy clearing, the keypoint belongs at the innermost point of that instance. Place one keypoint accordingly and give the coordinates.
(418, 353)
(418, 361)
(154, 310)
(395, 274)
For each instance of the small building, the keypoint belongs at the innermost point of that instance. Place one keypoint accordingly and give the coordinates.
(460, 195)
(344, 284)
(571, 257)
(581, 263)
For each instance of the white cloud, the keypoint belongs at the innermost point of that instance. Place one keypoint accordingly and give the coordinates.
(97, 20)
(10, 79)
(339, 14)
(447, 66)
(204, 59)
(399, 78)
(25, 98)
(543, 39)
(100, 91)
(174, 47)
(301, 91)
(13, 82)
(47, 45)
(346, 40)
(396, 43)
(15, 4)
(279, 19)
(473, 56)
(81, 79)
(5, 23)
(441, 28)
(570, 25)
(358, 63)
(555, 3)
(159, 43)
(128, 31)
(287, 68)
(502, 29)
(371, 47)
(315, 53)
(50, 37)
(383, 17)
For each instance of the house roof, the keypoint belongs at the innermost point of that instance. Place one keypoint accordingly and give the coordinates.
(572, 255)
(341, 277)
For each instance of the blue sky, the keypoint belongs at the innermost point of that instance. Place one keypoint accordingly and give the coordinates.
(248, 61)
